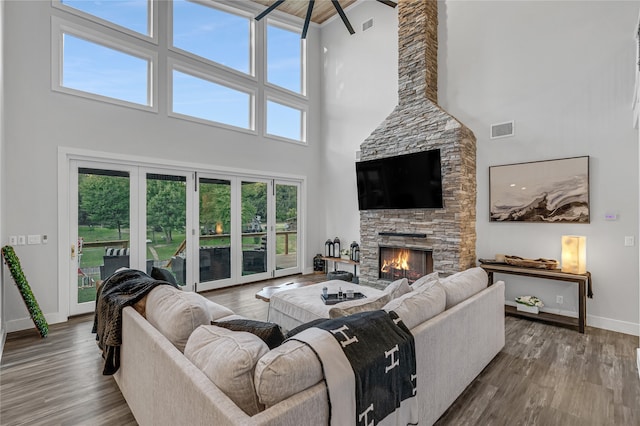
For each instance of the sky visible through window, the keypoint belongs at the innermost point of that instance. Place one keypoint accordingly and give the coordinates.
(107, 72)
(222, 37)
(213, 34)
(213, 101)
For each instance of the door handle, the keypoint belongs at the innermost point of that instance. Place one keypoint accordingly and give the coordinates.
(73, 251)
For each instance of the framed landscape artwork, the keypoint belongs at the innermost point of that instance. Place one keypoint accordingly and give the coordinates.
(553, 191)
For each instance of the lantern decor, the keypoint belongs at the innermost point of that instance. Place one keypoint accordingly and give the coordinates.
(329, 248)
(319, 265)
(336, 247)
(354, 249)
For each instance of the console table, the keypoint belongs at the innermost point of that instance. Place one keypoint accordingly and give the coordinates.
(584, 290)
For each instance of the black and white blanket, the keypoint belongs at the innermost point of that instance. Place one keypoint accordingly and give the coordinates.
(121, 289)
(369, 367)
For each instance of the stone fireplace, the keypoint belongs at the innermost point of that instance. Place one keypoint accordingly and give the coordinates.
(419, 124)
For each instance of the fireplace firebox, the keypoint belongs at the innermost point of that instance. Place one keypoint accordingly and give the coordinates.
(402, 262)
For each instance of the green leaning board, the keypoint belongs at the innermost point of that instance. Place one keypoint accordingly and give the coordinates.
(13, 263)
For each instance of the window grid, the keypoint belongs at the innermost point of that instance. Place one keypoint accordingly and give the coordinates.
(254, 83)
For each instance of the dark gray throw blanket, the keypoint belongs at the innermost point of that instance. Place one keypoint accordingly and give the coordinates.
(121, 289)
(369, 364)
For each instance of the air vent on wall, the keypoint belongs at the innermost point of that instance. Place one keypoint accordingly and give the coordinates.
(367, 24)
(502, 130)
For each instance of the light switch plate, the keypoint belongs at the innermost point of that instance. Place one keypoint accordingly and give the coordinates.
(34, 239)
(629, 241)
(22, 240)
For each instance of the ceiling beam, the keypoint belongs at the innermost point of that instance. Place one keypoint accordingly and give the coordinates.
(307, 19)
(346, 22)
(269, 10)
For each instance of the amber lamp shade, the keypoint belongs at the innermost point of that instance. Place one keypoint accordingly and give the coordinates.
(574, 254)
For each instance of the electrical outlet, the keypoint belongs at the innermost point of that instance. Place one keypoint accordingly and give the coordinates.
(22, 240)
(559, 300)
(13, 240)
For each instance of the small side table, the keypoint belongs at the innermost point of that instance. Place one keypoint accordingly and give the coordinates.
(337, 260)
(584, 290)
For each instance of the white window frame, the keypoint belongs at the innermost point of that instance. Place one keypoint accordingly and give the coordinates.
(251, 75)
(303, 59)
(201, 72)
(152, 19)
(59, 27)
(301, 106)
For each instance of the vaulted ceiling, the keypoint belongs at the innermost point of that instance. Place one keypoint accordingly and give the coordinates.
(322, 9)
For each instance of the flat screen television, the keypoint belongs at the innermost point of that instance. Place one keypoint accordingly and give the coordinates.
(409, 181)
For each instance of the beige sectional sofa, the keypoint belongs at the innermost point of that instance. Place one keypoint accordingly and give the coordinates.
(177, 369)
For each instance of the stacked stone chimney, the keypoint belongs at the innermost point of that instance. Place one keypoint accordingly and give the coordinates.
(419, 124)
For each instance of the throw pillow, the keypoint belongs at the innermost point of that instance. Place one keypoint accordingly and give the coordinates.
(285, 371)
(464, 284)
(428, 280)
(218, 311)
(176, 313)
(268, 332)
(163, 275)
(228, 359)
(304, 326)
(398, 288)
(362, 305)
(418, 306)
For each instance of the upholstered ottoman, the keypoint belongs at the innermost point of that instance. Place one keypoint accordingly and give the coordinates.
(291, 308)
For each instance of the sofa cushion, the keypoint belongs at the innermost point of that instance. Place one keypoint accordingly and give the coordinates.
(285, 371)
(176, 313)
(343, 309)
(462, 285)
(428, 280)
(398, 288)
(216, 311)
(268, 332)
(228, 358)
(418, 306)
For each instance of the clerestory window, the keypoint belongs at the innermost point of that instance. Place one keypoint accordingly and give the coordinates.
(110, 51)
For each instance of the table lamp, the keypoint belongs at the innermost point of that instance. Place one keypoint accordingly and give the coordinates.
(574, 254)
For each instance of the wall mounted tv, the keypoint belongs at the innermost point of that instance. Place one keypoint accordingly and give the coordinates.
(409, 181)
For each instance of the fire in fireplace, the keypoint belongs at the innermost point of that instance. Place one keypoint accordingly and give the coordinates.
(397, 262)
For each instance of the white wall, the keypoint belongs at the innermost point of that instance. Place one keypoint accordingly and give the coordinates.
(360, 85)
(38, 121)
(2, 180)
(564, 72)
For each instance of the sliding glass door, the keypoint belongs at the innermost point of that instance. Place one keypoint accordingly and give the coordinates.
(209, 230)
(255, 227)
(287, 210)
(215, 232)
(100, 229)
(166, 224)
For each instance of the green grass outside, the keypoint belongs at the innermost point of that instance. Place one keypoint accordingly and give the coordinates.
(92, 256)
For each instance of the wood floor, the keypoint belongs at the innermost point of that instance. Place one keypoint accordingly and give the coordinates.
(545, 375)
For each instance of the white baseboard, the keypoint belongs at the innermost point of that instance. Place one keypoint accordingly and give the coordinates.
(26, 323)
(625, 327)
(3, 338)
